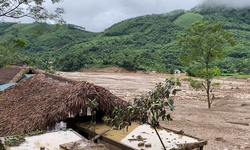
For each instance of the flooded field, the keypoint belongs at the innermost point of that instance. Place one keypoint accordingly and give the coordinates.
(225, 125)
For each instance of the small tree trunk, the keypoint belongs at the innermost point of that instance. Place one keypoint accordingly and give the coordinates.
(208, 85)
(208, 94)
(208, 100)
(160, 138)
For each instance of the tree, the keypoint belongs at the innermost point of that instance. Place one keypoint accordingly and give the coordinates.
(8, 48)
(30, 8)
(24, 8)
(202, 44)
(149, 108)
(93, 106)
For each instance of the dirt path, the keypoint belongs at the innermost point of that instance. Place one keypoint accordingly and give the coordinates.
(226, 125)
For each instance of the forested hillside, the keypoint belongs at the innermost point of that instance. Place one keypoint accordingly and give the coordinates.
(144, 42)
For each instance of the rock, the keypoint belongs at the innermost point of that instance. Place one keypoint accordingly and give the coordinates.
(245, 104)
(220, 139)
(141, 144)
(180, 132)
(148, 145)
(42, 148)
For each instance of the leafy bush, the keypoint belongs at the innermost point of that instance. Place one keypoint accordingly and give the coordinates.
(149, 108)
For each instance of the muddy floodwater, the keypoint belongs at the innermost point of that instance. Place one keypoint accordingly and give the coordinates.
(117, 135)
(141, 134)
(225, 126)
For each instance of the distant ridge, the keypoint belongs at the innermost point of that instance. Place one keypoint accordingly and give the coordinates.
(141, 43)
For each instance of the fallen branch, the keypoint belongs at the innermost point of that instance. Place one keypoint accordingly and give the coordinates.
(97, 136)
(239, 123)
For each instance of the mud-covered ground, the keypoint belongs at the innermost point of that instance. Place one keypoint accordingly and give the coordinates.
(226, 126)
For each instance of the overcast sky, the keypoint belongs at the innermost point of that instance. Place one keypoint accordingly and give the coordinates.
(97, 15)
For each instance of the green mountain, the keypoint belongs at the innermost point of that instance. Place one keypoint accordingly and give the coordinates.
(144, 42)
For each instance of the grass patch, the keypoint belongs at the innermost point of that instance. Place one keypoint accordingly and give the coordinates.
(236, 75)
(18, 139)
(187, 19)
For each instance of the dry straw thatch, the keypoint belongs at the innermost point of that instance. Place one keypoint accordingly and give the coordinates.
(7, 74)
(15, 73)
(44, 99)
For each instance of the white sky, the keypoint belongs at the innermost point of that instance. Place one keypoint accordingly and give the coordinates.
(97, 15)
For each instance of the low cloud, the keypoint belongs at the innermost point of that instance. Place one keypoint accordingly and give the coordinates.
(229, 3)
(97, 15)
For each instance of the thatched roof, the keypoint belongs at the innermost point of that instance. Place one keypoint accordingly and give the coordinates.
(45, 99)
(14, 73)
(7, 74)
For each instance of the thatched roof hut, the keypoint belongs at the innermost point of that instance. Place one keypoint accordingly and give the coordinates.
(44, 99)
(14, 73)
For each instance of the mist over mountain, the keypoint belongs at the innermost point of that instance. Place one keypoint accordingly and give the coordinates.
(227, 3)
